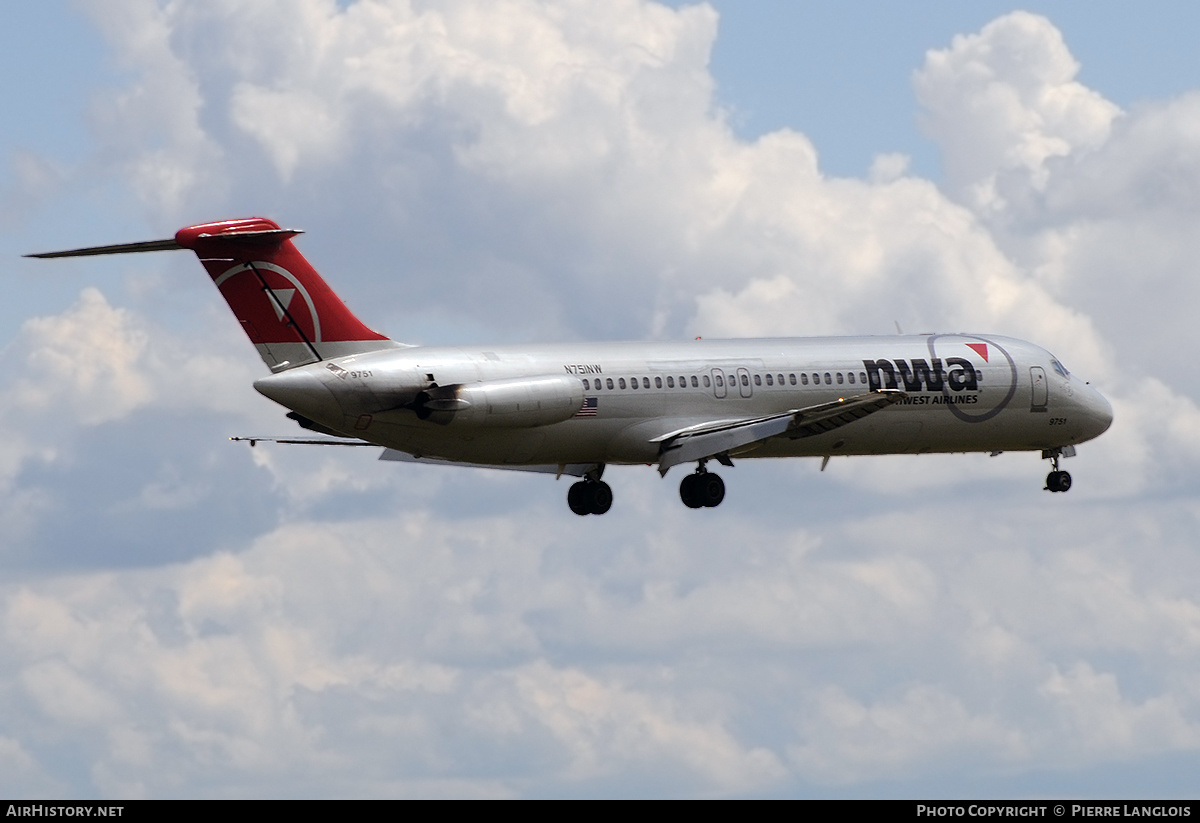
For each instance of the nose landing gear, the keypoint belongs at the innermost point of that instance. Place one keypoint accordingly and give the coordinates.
(1057, 480)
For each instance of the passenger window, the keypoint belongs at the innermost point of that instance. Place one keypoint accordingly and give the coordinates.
(771, 381)
(609, 382)
(862, 377)
(645, 382)
(792, 379)
(757, 380)
(633, 384)
(804, 379)
(586, 384)
(670, 382)
(658, 382)
(816, 379)
(720, 381)
(839, 378)
(828, 379)
(621, 382)
(850, 377)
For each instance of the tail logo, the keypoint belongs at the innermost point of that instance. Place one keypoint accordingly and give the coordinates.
(280, 296)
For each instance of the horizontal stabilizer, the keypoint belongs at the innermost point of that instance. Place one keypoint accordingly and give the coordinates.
(302, 441)
(234, 234)
(121, 248)
(570, 469)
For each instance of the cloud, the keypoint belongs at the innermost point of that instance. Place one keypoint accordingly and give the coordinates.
(35, 180)
(849, 740)
(254, 663)
(151, 130)
(86, 360)
(1002, 103)
(410, 653)
(1097, 716)
(95, 363)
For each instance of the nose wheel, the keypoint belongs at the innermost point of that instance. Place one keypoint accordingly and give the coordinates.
(702, 490)
(1058, 480)
(590, 497)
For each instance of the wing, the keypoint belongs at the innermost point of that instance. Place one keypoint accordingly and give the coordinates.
(720, 437)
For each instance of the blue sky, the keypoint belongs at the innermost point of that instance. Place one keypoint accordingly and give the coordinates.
(182, 616)
(844, 79)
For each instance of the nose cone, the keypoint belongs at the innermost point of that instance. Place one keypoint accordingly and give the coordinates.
(1097, 412)
(302, 391)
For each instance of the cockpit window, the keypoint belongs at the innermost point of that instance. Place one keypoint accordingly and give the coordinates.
(1059, 367)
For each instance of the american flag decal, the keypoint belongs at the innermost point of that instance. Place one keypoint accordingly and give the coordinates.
(588, 409)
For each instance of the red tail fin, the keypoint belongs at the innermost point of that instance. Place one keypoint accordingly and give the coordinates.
(288, 312)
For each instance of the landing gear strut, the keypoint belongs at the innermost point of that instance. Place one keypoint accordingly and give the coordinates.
(702, 489)
(590, 495)
(1057, 481)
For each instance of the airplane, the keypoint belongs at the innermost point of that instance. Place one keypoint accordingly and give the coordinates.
(573, 409)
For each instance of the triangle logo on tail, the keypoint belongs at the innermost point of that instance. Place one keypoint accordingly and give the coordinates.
(980, 349)
(283, 297)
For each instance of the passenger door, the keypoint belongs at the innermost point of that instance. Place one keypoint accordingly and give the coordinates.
(1041, 389)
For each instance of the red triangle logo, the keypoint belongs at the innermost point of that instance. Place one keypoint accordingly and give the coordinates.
(981, 349)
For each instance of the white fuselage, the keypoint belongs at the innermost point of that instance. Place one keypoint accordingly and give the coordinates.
(614, 402)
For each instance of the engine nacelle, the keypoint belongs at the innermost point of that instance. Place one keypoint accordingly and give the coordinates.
(521, 402)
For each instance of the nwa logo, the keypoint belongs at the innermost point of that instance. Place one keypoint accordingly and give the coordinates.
(956, 374)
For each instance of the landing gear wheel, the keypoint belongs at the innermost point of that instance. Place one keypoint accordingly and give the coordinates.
(711, 489)
(590, 497)
(689, 493)
(702, 490)
(600, 497)
(1058, 481)
(577, 498)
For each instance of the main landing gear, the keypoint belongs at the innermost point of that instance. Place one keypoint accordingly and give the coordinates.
(1058, 481)
(590, 495)
(702, 489)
